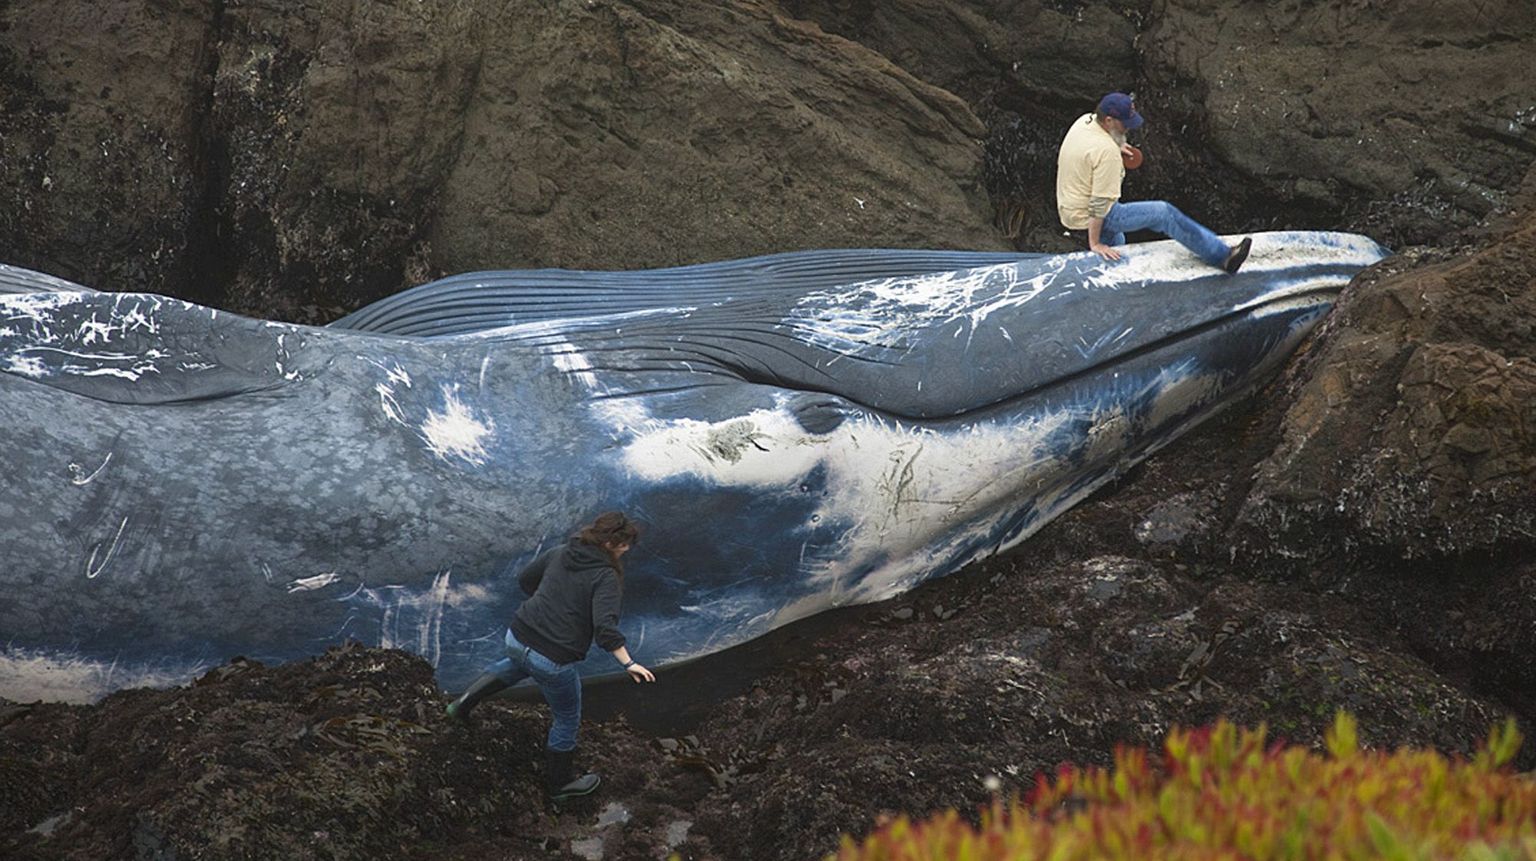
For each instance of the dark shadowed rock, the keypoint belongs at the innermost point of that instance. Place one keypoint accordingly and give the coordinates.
(101, 127)
(1407, 118)
(1028, 66)
(1018, 53)
(1108, 651)
(1183, 523)
(344, 756)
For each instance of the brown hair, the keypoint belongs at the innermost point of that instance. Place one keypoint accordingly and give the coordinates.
(609, 529)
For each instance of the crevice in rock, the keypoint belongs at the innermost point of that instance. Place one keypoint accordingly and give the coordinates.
(1468, 620)
(212, 259)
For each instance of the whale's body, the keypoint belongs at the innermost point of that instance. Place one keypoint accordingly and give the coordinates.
(798, 432)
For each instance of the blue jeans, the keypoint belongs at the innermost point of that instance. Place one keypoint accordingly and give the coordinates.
(560, 684)
(1165, 218)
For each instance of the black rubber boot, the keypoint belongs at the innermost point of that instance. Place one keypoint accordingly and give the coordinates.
(558, 779)
(1238, 255)
(478, 690)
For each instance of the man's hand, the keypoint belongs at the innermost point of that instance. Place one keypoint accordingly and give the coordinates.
(1127, 149)
(1104, 251)
(641, 674)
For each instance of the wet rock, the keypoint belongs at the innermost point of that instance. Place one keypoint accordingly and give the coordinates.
(1119, 581)
(677, 832)
(264, 760)
(1415, 436)
(1182, 523)
(51, 824)
(304, 159)
(1405, 114)
(1029, 67)
(589, 848)
(101, 153)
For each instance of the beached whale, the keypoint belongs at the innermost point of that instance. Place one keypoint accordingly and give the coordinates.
(800, 431)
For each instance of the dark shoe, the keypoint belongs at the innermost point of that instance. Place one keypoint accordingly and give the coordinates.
(478, 690)
(557, 776)
(1238, 255)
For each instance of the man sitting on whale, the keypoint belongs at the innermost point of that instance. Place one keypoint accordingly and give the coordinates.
(1089, 170)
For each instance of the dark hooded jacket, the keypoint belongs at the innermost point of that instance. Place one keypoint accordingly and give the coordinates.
(574, 597)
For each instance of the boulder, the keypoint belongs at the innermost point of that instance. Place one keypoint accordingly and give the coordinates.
(1414, 437)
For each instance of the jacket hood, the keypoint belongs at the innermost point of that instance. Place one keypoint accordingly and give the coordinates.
(581, 556)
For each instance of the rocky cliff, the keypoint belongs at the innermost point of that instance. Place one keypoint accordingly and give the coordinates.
(301, 159)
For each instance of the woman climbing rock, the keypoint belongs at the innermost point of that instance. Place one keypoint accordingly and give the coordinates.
(574, 594)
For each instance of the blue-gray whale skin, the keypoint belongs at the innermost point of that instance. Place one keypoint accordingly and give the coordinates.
(799, 432)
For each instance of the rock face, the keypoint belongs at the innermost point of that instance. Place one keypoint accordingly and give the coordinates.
(1029, 67)
(305, 158)
(357, 737)
(299, 159)
(101, 159)
(1407, 120)
(1415, 436)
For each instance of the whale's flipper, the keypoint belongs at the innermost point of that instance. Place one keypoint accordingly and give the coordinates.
(14, 280)
(479, 301)
(137, 348)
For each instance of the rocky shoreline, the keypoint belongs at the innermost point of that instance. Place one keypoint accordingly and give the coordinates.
(1361, 534)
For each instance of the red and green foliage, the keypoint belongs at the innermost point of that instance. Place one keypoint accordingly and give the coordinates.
(1224, 792)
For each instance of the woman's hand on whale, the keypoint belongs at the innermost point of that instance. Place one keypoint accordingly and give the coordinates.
(635, 670)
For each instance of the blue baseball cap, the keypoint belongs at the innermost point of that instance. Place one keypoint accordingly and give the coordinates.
(1121, 107)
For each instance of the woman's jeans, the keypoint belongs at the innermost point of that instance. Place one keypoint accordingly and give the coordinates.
(560, 684)
(1165, 218)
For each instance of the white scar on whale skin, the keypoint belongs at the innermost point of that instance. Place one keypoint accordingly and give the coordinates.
(455, 432)
(879, 314)
(309, 584)
(419, 613)
(393, 375)
(893, 483)
(92, 570)
(76, 472)
(390, 405)
(856, 318)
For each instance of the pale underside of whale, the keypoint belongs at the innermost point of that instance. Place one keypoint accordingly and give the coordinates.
(798, 432)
